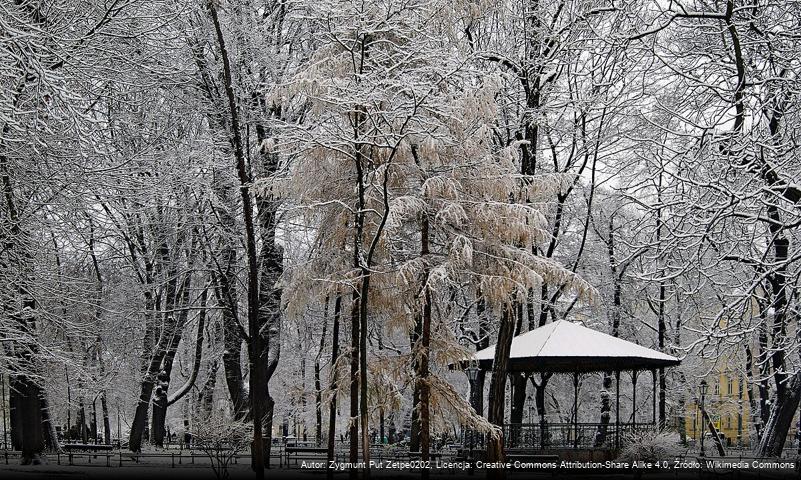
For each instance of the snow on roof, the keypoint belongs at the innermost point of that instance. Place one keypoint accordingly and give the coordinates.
(564, 346)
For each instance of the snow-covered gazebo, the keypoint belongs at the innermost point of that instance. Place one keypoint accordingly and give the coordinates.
(567, 347)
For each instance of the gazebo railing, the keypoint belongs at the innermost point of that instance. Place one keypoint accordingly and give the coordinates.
(569, 435)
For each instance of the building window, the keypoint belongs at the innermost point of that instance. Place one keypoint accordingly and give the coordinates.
(717, 388)
(728, 417)
(730, 387)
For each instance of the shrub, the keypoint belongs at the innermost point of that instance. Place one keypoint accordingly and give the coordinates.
(221, 437)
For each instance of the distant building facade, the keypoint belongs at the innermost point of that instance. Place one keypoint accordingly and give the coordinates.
(727, 405)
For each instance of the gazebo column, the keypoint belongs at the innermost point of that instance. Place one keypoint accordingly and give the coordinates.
(511, 384)
(653, 390)
(634, 400)
(539, 394)
(575, 409)
(511, 430)
(617, 409)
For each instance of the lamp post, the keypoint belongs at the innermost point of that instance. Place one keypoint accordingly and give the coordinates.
(472, 375)
(703, 388)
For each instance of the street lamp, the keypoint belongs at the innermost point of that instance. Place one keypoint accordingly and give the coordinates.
(472, 371)
(472, 375)
(703, 389)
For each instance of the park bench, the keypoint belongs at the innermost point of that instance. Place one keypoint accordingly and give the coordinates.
(92, 449)
(10, 453)
(87, 447)
(305, 453)
(300, 443)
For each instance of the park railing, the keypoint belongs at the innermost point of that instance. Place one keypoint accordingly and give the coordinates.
(570, 435)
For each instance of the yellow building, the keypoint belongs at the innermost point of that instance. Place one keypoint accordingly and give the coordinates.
(726, 403)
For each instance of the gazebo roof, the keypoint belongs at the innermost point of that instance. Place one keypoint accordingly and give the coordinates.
(564, 346)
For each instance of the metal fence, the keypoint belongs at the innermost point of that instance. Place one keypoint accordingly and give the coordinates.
(570, 435)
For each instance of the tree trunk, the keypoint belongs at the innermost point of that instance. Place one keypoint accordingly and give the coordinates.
(714, 431)
(539, 401)
(206, 395)
(257, 350)
(318, 388)
(763, 387)
(14, 416)
(318, 406)
(106, 422)
(477, 386)
(381, 424)
(303, 404)
(269, 411)
(139, 426)
(353, 421)
(332, 405)
(223, 271)
(26, 395)
(662, 301)
(393, 431)
(477, 392)
(682, 401)
(49, 427)
(232, 366)
(153, 354)
(152, 374)
(518, 382)
(414, 432)
(93, 425)
(606, 410)
(226, 293)
(752, 400)
(83, 433)
(781, 419)
(778, 283)
(423, 352)
(159, 412)
(98, 353)
(271, 268)
(363, 407)
(160, 400)
(497, 393)
(355, 315)
(198, 357)
(614, 321)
